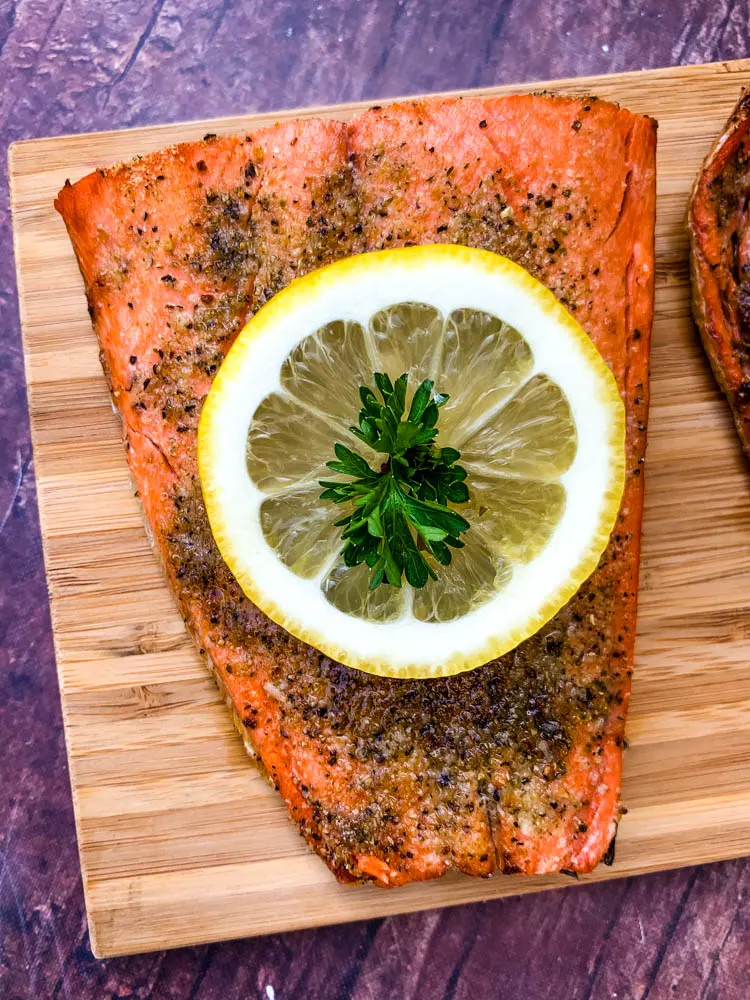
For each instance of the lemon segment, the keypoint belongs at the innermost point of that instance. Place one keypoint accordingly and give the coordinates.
(286, 444)
(474, 575)
(299, 529)
(405, 338)
(517, 516)
(349, 591)
(324, 370)
(534, 434)
(497, 358)
(533, 409)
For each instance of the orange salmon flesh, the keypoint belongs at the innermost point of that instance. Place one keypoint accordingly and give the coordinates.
(515, 766)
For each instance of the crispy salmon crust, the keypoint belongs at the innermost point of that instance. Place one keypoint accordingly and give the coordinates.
(719, 223)
(512, 767)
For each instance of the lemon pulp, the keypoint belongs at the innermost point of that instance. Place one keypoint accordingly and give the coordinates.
(515, 431)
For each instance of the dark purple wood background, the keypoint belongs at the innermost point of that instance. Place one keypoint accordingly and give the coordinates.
(69, 66)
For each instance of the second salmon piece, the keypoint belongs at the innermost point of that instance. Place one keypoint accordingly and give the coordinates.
(719, 223)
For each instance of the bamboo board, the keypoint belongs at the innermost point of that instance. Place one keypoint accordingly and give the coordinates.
(180, 839)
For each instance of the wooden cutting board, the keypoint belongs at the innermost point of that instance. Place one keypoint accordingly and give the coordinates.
(181, 841)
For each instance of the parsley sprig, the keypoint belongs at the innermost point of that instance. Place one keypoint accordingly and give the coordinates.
(400, 510)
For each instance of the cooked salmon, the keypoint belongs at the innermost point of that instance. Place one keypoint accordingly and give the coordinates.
(719, 223)
(512, 767)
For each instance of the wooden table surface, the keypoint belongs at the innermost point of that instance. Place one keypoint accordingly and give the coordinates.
(79, 65)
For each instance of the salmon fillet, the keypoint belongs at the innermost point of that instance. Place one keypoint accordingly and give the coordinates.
(512, 767)
(719, 223)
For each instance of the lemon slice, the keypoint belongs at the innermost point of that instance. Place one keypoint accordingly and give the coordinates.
(533, 409)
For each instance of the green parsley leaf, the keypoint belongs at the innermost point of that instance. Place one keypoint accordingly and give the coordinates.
(399, 523)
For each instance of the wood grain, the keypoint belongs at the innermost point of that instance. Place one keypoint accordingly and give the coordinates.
(180, 839)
